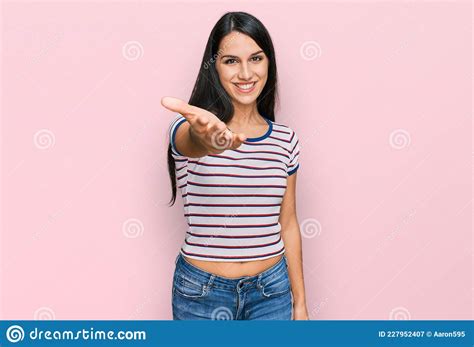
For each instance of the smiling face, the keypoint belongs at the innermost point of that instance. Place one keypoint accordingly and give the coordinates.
(242, 67)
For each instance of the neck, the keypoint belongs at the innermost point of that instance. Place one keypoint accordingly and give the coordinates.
(246, 114)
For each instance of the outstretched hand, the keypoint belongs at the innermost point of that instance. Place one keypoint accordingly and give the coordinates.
(205, 128)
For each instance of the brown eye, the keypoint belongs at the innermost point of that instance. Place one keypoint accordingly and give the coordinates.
(257, 58)
(229, 60)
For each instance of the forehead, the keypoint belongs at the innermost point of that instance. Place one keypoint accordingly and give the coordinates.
(238, 44)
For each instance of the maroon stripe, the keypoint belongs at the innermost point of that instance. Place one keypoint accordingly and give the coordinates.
(267, 152)
(233, 236)
(232, 226)
(182, 167)
(230, 215)
(239, 195)
(240, 166)
(291, 165)
(277, 138)
(234, 175)
(297, 153)
(236, 185)
(182, 176)
(296, 144)
(265, 144)
(232, 247)
(292, 136)
(282, 125)
(247, 158)
(231, 257)
(231, 205)
(281, 131)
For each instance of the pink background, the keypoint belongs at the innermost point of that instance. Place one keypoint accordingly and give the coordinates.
(379, 94)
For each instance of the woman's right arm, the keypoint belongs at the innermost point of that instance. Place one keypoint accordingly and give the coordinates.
(187, 144)
(202, 133)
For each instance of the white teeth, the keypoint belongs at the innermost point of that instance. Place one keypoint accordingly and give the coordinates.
(245, 86)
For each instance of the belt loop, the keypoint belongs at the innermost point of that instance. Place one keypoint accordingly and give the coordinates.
(211, 281)
(259, 280)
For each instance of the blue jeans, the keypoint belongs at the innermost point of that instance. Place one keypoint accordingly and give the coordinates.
(200, 295)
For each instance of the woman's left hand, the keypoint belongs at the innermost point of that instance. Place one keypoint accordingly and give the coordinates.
(300, 312)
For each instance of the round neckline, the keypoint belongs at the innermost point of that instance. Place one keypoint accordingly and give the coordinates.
(264, 136)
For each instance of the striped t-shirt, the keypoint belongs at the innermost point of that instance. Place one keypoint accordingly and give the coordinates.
(232, 199)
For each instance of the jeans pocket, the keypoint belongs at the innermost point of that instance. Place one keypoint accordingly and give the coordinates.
(189, 286)
(275, 285)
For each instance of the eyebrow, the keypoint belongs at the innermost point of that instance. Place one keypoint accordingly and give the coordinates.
(234, 56)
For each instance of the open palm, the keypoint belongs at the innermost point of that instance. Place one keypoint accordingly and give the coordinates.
(205, 127)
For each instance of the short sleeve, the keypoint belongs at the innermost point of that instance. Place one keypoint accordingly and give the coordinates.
(294, 151)
(173, 128)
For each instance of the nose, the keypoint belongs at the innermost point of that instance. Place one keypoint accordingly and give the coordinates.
(245, 72)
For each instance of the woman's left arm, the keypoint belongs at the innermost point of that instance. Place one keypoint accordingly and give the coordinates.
(290, 232)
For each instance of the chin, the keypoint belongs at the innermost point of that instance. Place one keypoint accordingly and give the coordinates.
(244, 100)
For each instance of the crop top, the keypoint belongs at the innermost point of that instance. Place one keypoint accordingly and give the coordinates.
(232, 200)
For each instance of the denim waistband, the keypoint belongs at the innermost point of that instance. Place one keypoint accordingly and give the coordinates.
(208, 277)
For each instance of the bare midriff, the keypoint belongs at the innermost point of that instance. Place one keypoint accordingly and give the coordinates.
(235, 269)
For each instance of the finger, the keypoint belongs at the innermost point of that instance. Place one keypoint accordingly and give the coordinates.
(216, 132)
(179, 106)
(237, 140)
(218, 127)
(199, 123)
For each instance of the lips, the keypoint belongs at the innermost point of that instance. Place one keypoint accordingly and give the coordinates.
(245, 87)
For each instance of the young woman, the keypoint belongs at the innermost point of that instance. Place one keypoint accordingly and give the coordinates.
(236, 169)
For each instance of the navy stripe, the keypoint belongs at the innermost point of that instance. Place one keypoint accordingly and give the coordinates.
(173, 135)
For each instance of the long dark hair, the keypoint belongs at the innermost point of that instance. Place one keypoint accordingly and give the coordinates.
(208, 92)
